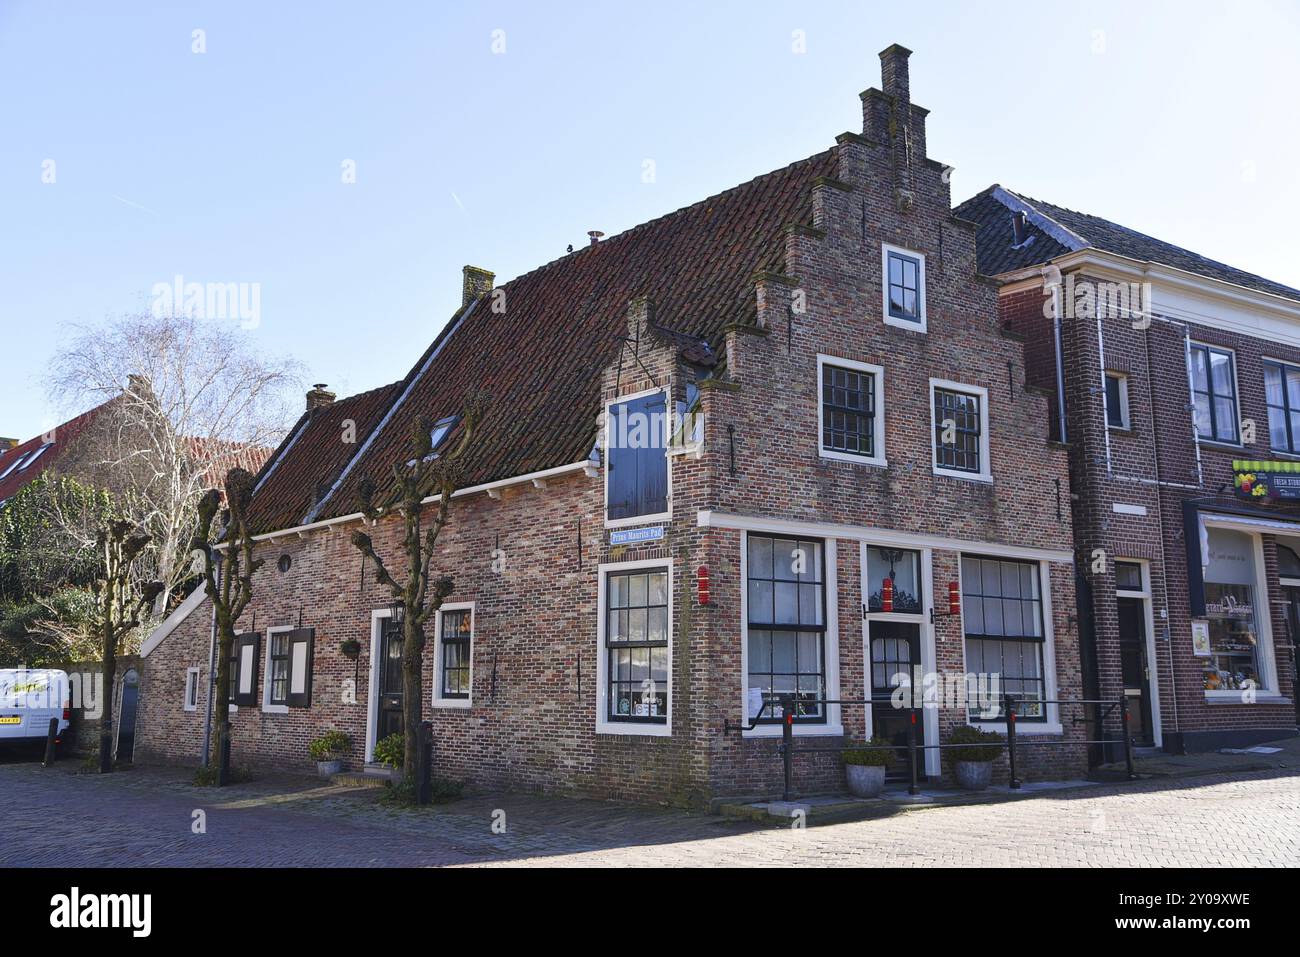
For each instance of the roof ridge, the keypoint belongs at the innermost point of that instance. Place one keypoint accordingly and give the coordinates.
(570, 257)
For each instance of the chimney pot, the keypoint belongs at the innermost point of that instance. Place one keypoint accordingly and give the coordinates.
(595, 235)
(1018, 227)
(319, 397)
(478, 282)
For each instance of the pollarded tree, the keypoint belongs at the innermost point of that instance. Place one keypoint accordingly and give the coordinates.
(430, 478)
(121, 603)
(228, 568)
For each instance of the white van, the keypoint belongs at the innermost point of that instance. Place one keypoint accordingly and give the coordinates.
(28, 700)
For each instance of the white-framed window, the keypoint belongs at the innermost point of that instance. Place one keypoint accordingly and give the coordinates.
(275, 689)
(850, 411)
(960, 434)
(634, 653)
(903, 286)
(637, 475)
(1005, 633)
(1214, 392)
(1282, 396)
(453, 655)
(1117, 401)
(192, 689)
(789, 637)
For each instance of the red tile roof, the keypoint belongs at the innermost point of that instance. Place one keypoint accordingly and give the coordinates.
(312, 456)
(541, 360)
(60, 440)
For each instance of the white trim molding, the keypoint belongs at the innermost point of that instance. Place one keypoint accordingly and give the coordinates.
(914, 326)
(173, 621)
(603, 724)
(437, 700)
(985, 474)
(877, 374)
(267, 707)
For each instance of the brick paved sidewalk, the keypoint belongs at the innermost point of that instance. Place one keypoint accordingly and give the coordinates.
(143, 817)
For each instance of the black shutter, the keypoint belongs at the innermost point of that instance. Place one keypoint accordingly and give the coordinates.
(247, 639)
(302, 647)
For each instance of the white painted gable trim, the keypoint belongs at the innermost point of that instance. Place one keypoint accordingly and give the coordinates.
(1066, 237)
(196, 598)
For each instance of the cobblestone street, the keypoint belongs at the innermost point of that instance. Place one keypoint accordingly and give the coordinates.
(144, 817)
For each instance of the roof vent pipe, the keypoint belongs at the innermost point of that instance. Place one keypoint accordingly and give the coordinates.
(595, 235)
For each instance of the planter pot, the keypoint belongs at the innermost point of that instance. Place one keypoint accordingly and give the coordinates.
(326, 768)
(866, 780)
(974, 775)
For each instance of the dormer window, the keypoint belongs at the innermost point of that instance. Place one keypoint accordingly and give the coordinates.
(904, 288)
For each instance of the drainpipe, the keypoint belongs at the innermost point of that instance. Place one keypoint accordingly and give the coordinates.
(1052, 276)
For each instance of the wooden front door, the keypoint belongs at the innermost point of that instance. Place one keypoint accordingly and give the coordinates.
(390, 679)
(896, 650)
(1135, 672)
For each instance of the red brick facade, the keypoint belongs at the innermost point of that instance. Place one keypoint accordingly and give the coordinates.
(529, 557)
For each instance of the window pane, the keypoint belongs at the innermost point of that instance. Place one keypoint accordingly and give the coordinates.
(760, 602)
(1273, 384)
(1202, 414)
(1221, 372)
(1225, 419)
(760, 557)
(1200, 370)
(787, 603)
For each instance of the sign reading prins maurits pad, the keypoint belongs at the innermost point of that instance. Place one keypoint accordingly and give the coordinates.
(632, 536)
(1267, 481)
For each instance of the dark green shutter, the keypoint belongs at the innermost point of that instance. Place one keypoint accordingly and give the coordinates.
(248, 639)
(301, 645)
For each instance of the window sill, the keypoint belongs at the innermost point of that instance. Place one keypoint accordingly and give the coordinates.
(1124, 430)
(461, 703)
(912, 325)
(275, 709)
(963, 476)
(1235, 447)
(638, 520)
(833, 456)
(633, 729)
(800, 731)
(1234, 697)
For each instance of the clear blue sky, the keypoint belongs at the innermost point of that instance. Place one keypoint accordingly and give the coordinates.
(1180, 119)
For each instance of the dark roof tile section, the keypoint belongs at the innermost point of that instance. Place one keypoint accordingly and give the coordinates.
(541, 359)
(312, 456)
(994, 239)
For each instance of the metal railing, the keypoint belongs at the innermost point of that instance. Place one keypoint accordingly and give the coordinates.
(787, 750)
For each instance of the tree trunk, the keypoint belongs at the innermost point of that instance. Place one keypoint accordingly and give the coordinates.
(217, 755)
(106, 718)
(412, 694)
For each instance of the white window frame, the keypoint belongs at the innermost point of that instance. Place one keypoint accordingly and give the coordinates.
(1236, 393)
(885, 250)
(1052, 719)
(603, 724)
(267, 707)
(377, 618)
(438, 700)
(191, 684)
(1126, 424)
(663, 516)
(834, 724)
(1153, 678)
(878, 427)
(985, 474)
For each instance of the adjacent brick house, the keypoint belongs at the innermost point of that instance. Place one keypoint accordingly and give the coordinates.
(1178, 375)
(627, 597)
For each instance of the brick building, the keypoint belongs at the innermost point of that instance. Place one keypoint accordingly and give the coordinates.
(1180, 379)
(626, 597)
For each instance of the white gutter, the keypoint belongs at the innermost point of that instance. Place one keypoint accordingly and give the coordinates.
(300, 530)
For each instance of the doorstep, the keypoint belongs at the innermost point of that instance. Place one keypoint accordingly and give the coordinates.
(372, 776)
(832, 808)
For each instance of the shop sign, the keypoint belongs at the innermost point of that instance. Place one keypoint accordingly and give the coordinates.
(1229, 607)
(1269, 481)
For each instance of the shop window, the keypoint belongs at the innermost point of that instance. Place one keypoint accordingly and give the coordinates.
(1232, 612)
(1002, 617)
(787, 627)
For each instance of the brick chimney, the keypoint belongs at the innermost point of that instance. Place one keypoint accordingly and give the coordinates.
(478, 282)
(319, 397)
(890, 119)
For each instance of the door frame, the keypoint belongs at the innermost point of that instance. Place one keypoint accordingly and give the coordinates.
(1153, 677)
(929, 726)
(377, 618)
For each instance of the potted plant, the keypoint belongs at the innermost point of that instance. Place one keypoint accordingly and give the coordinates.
(390, 752)
(973, 759)
(866, 768)
(350, 648)
(328, 750)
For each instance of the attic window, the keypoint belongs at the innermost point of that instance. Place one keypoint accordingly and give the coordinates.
(441, 429)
